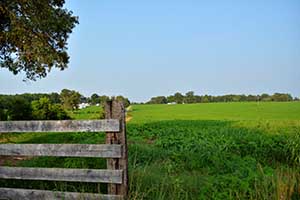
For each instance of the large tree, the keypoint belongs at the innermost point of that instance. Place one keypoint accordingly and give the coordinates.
(34, 35)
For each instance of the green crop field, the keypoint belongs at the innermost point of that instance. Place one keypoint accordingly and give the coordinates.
(192, 151)
(218, 111)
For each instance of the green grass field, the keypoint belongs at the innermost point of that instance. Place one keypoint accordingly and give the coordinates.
(218, 111)
(92, 112)
(193, 151)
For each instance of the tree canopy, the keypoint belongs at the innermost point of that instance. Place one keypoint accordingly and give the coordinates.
(34, 36)
(70, 99)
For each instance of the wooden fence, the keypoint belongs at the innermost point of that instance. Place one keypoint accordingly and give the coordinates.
(115, 150)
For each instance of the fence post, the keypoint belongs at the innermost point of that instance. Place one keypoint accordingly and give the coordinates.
(115, 110)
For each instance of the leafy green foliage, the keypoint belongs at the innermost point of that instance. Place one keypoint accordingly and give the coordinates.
(19, 109)
(70, 99)
(34, 36)
(158, 100)
(42, 109)
(203, 159)
(124, 100)
(293, 147)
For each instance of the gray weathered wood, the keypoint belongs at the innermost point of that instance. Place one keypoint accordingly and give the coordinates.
(62, 150)
(25, 194)
(60, 174)
(111, 125)
(115, 110)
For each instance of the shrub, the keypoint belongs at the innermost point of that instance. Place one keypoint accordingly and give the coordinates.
(43, 109)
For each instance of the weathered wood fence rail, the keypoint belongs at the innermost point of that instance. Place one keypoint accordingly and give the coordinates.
(115, 150)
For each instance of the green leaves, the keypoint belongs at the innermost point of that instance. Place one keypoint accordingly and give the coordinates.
(70, 99)
(293, 147)
(210, 159)
(34, 36)
(43, 109)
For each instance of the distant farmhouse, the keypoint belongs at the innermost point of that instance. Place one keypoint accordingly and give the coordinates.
(83, 105)
(171, 103)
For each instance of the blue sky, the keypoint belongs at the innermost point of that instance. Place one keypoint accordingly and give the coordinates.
(147, 48)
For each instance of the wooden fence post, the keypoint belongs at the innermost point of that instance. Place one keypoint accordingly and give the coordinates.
(115, 110)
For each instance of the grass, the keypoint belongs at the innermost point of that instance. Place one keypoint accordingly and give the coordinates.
(195, 151)
(217, 111)
(91, 112)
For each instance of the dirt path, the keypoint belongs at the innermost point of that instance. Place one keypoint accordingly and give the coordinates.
(12, 160)
(128, 118)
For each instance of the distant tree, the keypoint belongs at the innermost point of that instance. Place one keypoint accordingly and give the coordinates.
(189, 97)
(3, 115)
(19, 109)
(265, 97)
(125, 101)
(43, 109)
(236, 98)
(103, 99)
(170, 98)
(197, 98)
(54, 97)
(158, 100)
(205, 99)
(178, 97)
(95, 99)
(251, 98)
(84, 99)
(281, 97)
(5, 101)
(243, 97)
(34, 36)
(70, 99)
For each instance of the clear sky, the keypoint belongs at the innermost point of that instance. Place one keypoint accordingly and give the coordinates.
(148, 48)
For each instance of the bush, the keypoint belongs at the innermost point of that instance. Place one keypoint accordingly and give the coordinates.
(43, 109)
(58, 112)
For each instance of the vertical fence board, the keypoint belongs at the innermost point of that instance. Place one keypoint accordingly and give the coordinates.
(116, 110)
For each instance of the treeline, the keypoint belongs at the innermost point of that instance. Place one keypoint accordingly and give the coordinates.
(27, 107)
(190, 97)
(95, 99)
(52, 106)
